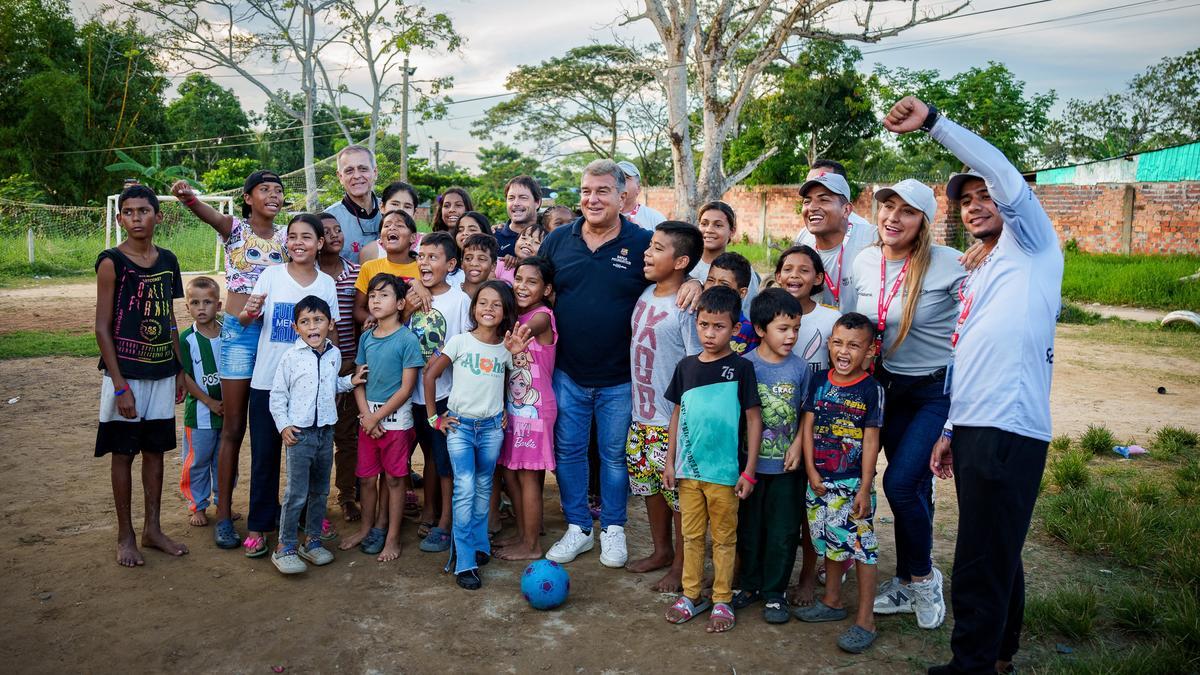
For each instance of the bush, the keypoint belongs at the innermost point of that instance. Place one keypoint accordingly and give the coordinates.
(1069, 469)
(1097, 439)
(1060, 443)
(1135, 611)
(1171, 442)
(1070, 612)
(1072, 313)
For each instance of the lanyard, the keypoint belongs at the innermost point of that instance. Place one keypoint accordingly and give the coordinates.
(885, 304)
(967, 301)
(835, 289)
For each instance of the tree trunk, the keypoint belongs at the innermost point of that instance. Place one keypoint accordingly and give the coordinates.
(310, 92)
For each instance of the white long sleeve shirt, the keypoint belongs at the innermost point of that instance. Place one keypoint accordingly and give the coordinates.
(302, 395)
(1005, 354)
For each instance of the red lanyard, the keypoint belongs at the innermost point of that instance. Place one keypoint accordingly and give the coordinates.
(836, 289)
(967, 301)
(885, 304)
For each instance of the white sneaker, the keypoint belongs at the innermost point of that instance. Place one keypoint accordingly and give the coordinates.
(927, 601)
(893, 598)
(613, 552)
(571, 545)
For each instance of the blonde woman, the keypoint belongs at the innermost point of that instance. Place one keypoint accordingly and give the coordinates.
(909, 287)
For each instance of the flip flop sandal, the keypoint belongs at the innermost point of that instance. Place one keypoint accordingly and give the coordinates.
(423, 529)
(744, 599)
(819, 612)
(687, 609)
(225, 535)
(327, 531)
(256, 547)
(373, 543)
(722, 610)
(856, 640)
(412, 508)
(776, 610)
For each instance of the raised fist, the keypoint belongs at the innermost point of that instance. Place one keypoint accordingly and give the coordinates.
(907, 115)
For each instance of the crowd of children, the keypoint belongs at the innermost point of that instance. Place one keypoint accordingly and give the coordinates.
(754, 419)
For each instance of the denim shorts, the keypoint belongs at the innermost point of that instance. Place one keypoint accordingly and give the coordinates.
(239, 345)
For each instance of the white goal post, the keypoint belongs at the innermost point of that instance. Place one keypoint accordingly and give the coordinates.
(113, 232)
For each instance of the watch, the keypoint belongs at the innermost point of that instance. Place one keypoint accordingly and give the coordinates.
(930, 119)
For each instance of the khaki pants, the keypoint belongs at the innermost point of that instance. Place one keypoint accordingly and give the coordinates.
(345, 449)
(702, 505)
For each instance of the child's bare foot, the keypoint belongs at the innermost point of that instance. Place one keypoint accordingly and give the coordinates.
(352, 541)
(128, 554)
(801, 595)
(199, 518)
(156, 539)
(351, 512)
(390, 551)
(507, 541)
(518, 552)
(671, 582)
(654, 561)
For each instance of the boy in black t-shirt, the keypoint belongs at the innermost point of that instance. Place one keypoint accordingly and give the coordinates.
(136, 284)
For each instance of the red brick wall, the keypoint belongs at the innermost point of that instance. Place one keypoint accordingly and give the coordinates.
(1166, 216)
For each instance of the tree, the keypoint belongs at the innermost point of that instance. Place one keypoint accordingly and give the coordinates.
(206, 110)
(1160, 107)
(153, 174)
(585, 94)
(989, 101)
(819, 106)
(229, 173)
(721, 48)
(497, 164)
(284, 137)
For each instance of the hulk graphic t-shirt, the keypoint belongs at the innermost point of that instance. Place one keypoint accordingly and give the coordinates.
(782, 388)
(445, 319)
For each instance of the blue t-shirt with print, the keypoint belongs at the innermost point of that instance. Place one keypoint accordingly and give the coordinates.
(841, 413)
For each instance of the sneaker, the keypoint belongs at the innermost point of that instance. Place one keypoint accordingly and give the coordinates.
(288, 562)
(927, 601)
(893, 598)
(469, 580)
(613, 552)
(316, 554)
(571, 545)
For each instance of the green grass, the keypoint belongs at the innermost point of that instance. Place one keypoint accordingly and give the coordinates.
(1097, 439)
(1134, 280)
(27, 343)
(760, 257)
(1072, 313)
(1069, 612)
(1060, 443)
(75, 256)
(1070, 469)
(1174, 442)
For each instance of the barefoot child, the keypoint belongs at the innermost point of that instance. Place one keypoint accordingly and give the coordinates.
(715, 394)
(303, 409)
(769, 522)
(842, 416)
(385, 438)
(732, 270)
(274, 298)
(800, 272)
(474, 420)
(135, 330)
(252, 244)
(528, 451)
(663, 334)
(718, 225)
(199, 346)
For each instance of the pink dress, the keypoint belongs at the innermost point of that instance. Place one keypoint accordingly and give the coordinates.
(531, 406)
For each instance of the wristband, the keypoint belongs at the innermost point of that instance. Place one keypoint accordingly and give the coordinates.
(190, 200)
(433, 419)
(750, 479)
(947, 433)
(120, 391)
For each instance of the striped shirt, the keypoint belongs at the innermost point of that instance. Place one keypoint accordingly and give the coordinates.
(347, 340)
(200, 363)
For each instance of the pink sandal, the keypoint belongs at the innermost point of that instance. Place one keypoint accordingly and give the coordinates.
(722, 610)
(686, 609)
(256, 547)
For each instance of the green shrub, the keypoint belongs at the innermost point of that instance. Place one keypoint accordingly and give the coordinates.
(1135, 610)
(1060, 443)
(1069, 611)
(1147, 492)
(1097, 439)
(1171, 442)
(1069, 469)
(1072, 313)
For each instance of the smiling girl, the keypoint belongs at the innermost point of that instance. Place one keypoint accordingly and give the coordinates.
(450, 206)
(800, 272)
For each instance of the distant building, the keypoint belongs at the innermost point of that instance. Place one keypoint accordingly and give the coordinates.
(1179, 163)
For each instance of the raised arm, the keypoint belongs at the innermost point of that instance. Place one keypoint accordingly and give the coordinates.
(221, 222)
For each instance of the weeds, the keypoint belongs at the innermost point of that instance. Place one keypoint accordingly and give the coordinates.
(1069, 469)
(1060, 443)
(1173, 442)
(1136, 280)
(1070, 612)
(1072, 313)
(1097, 439)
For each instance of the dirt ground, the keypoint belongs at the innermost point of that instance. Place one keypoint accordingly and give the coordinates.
(70, 607)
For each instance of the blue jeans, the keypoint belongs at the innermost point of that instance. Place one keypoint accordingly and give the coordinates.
(611, 407)
(913, 417)
(309, 463)
(474, 447)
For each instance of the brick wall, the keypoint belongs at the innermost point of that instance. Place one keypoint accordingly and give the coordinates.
(1164, 219)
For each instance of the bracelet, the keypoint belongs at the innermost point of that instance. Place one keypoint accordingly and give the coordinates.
(191, 200)
(947, 433)
(750, 479)
(433, 420)
(120, 391)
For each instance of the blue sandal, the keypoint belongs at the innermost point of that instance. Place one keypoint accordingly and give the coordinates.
(372, 544)
(437, 541)
(856, 640)
(225, 535)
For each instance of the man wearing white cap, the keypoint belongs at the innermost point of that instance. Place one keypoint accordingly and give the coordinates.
(1002, 359)
(835, 232)
(641, 214)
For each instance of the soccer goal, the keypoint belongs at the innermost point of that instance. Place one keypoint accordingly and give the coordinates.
(191, 239)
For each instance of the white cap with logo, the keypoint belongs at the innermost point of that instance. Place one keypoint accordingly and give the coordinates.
(834, 182)
(629, 169)
(914, 193)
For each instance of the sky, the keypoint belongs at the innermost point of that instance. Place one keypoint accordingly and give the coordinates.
(1080, 51)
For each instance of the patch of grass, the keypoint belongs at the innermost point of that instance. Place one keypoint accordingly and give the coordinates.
(1069, 611)
(1134, 610)
(1181, 622)
(1060, 443)
(1171, 442)
(1097, 439)
(27, 343)
(1141, 659)
(760, 257)
(1070, 470)
(1134, 280)
(1072, 313)
(1187, 480)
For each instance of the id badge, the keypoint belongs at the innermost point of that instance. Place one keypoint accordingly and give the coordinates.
(948, 384)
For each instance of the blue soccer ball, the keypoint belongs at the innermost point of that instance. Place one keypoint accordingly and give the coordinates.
(545, 584)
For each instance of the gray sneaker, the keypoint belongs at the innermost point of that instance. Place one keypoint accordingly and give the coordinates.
(316, 554)
(287, 562)
(927, 601)
(893, 598)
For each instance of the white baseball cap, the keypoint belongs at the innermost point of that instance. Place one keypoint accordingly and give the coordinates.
(834, 182)
(954, 185)
(914, 193)
(629, 169)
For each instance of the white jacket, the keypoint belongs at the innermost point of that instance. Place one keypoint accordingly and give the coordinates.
(305, 384)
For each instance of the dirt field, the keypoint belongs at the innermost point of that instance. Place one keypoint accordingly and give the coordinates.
(70, 607)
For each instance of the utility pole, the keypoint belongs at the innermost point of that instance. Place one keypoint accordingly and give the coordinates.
(406, 72)
(437, 156)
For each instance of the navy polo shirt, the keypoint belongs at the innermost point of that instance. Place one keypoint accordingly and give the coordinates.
(506, 238)
(596, 292)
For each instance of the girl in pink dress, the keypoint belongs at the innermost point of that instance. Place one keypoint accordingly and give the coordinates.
(528, 450)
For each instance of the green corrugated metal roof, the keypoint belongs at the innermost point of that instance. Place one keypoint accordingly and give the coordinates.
(1061, 176)
(1171, 164)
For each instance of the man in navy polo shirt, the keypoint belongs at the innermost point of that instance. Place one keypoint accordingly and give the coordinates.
(597, 281)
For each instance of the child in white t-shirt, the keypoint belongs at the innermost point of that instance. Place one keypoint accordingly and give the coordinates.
(801, 273)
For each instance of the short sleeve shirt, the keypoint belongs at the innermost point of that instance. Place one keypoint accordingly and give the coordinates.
(447, 317)
(813, 341)
(662, 335)
(247, 255)
(841, 413)
(199, 354)
(712, 399)
(479, 370)
(142, 313)
(347, 342)
(388, 357)
(367, 271)
(278, 334)
(782, 388)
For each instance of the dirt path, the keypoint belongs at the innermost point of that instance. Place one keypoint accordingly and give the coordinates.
(69, 607)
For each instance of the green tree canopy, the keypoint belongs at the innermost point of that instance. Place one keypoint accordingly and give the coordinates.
(205, 110)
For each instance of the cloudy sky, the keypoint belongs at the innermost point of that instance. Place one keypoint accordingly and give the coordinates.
(1079, 48)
